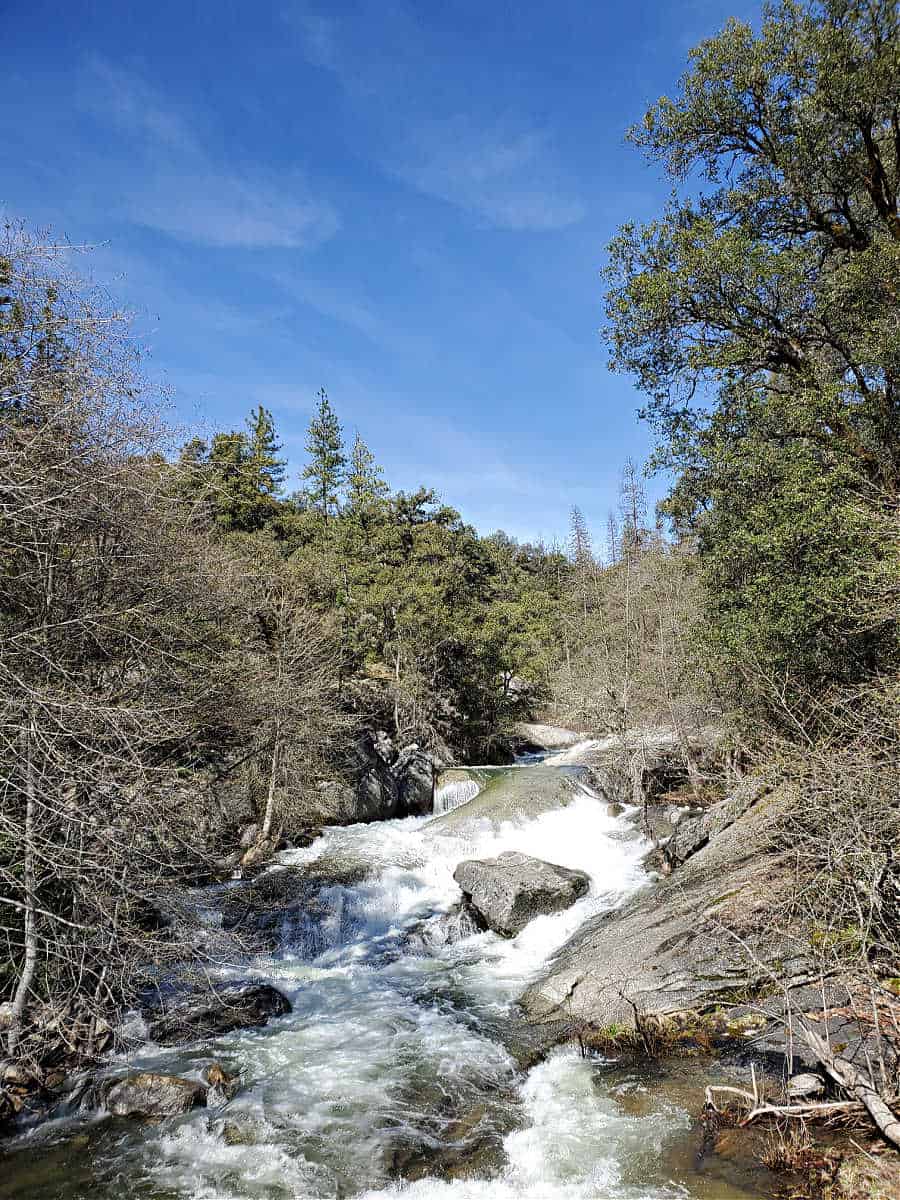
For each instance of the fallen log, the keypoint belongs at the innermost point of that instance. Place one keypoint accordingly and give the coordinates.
(852, 1080)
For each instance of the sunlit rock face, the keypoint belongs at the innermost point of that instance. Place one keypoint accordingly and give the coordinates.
(507, 892)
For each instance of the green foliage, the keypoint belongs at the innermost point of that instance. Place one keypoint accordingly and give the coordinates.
(768, 290)
(788, 548)
(264, 468)
(239, 476)
(447, 636)
(366, 488)
(327, 462)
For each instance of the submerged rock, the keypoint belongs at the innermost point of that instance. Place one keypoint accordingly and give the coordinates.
(511, 795)
(444, 929)
(509, 891)
(210, 1011)
(150, 1095)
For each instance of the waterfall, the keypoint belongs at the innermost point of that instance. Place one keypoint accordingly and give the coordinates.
(453, 793)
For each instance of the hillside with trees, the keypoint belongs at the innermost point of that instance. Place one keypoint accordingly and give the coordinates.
(188, 652)
(759, 313)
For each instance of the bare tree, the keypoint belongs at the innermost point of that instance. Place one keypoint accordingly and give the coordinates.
(291, 660)
(111, 631)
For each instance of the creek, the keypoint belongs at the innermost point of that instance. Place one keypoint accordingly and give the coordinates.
(403, 1069)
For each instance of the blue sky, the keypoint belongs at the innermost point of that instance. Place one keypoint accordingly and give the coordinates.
(405, 203)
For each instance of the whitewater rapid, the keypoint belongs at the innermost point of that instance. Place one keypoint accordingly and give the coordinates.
(402, 1044)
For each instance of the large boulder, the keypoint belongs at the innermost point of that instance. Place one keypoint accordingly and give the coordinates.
(507, 892)
(414, 773)
(545, 737)
(701, 938)
(151, 1095)
(383, 782)
(391, 782)
(376, 787)
(203, 1012)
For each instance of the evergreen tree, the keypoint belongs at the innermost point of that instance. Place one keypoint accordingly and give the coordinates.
(365, 482)
(229, 480)
(265, 468)
(327, 466)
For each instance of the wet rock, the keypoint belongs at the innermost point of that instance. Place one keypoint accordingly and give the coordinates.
(21, 1090)
(222, 1085)
(466, 1145)
(509, 891)
(513, 796)
(210, 1011)
(392, 783)
(382, 781)
(444, 929)
(414, 773)
(236, 1133)
(14, 1074)
(148, 1095)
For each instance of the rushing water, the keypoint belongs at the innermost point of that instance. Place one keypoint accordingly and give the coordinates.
(399, 1070)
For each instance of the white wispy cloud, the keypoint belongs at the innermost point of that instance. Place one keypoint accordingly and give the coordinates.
(319, 33)
(200, 203)
(130, 104)
(503, 172)
(331, 301)
(503, 175)
(167, 180)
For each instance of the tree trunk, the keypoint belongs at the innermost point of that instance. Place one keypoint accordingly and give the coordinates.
(29, 966)
(269, 815)
(397, 691)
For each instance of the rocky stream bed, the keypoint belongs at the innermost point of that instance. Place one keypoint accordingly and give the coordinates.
(396, 1059)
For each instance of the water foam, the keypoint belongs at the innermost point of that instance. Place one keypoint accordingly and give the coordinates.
(386, 1048)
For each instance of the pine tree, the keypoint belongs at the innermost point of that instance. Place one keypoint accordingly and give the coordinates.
(265, 468)
(365, 482)
(229, 478)
(327, 466)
